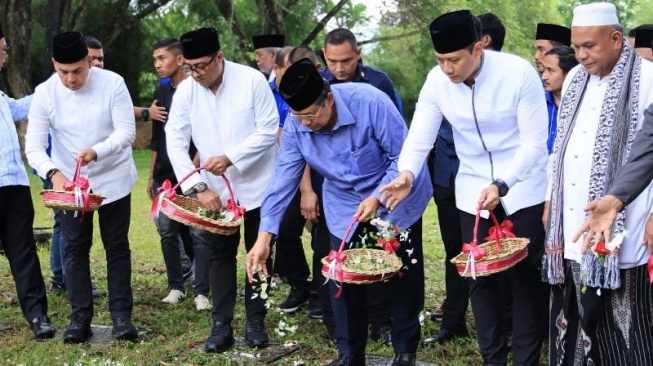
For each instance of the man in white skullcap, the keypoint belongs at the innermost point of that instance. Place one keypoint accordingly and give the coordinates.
(600, 308)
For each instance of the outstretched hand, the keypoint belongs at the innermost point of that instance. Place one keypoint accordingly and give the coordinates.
(258, 255)
(396, 191)
(600, 217)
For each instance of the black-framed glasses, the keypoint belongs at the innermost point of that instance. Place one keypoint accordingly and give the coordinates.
(6, 49)
(199, 68)
(308, 117)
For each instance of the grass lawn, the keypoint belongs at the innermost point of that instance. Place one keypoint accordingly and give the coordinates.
(175, 328)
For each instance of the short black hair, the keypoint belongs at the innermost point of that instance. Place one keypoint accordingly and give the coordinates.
(170, 44)
(632, 32)
(280, 58)
(566, 57)
(339, 36)
(301, 52)
(493, 27)
(92, 42)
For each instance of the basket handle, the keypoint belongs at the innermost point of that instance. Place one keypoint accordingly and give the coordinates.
(344, 238)
(78, 169)
(198, 169)
(497, 227)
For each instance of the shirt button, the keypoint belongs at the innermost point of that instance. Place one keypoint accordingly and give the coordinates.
(571, 208)
(573, 183)
(576, 156)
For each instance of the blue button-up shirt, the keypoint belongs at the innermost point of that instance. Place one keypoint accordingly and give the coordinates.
(12, 169)
(369, 75)
(446, 161)
(552, 107)
(282, 106)
(356, 158)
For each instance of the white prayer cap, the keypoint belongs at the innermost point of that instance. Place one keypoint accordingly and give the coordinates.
(595, 14)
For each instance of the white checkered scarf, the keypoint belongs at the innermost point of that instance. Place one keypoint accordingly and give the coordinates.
(615, 134)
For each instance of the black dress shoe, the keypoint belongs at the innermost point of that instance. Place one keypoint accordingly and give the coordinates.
(404, 359)
(255, 334)
(442, 336)
(383, 334)
(42, 327)
(78, 331)
(221, 338)
(123, 329)
(349, 360)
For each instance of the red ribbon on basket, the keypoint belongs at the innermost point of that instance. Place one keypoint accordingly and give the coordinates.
(497, 232)
(166, 190)
(391, 245)
(336, 258)
(79, 186)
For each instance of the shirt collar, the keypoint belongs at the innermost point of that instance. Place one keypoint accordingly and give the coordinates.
(344, 116)
(549, 98)
(359, 75)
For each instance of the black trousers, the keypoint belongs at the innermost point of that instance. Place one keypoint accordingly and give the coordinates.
(406, 291)
(290, 260)
(17, 236)
(114, 221)
(321, 245)
(530, 294)
(456, 287)
(222, 250)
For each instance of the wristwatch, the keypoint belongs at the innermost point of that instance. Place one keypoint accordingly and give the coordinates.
(503, 187)
(50, 174)
(199, 187)
(145, 113)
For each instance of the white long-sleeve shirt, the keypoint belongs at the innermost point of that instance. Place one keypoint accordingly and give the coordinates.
(577, 165)
(240, 121)
(100, 115)
(507, 107)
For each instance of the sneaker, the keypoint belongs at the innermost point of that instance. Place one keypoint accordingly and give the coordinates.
(202, 303)
(123, 329)
(296, 298)
(42, 327)
(174, 297)
(220, 339)
(256, 336)
(78, 331)
(436, 315)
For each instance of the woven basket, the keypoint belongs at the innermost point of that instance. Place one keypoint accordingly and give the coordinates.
(184, 210)
(502, 253)
(347, 274)
(65, 200)
(340, 269)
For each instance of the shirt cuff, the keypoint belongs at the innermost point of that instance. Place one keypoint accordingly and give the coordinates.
(269, 225)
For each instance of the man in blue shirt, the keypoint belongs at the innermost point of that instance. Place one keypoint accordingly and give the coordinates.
(16, 222)
(344, 64)
(556, 65)
(352, 137)
(342, 56)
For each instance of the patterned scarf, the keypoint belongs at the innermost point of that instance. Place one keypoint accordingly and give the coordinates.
(616, 131)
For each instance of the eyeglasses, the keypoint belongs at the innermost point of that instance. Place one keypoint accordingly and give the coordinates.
(308, 117)
(6, 49)
(200, 68)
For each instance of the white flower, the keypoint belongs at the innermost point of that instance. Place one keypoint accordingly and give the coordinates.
(403, 236)
(410, 252)
(254, 296)
(280, 333)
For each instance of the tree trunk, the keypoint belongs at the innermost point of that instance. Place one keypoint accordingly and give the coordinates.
(273, 17)
(16, 19)
(53, 14)
(226, 9)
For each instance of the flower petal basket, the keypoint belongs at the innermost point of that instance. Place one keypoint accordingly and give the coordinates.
(500, 252)
(188, 211)
(74, 197)
(360, 266)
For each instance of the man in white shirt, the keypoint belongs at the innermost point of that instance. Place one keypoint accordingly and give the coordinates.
(89, 113)
(16, 222)
(501, 144)
(229, 111)
(600, 310)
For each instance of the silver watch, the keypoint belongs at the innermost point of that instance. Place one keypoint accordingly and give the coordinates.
(199, 187)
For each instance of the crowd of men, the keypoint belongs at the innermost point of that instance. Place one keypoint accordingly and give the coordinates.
(563, 150)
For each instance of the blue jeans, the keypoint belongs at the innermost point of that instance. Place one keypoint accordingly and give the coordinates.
(57, 247)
